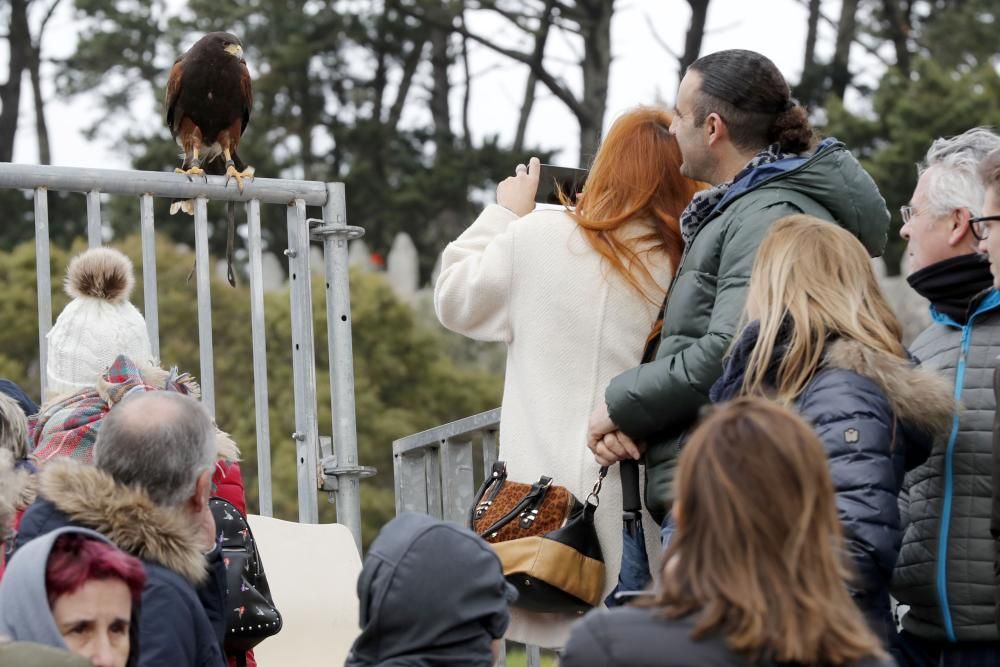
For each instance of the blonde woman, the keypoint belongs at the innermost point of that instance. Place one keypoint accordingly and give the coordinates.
(753, 575)
(823, 340)
(573, 293)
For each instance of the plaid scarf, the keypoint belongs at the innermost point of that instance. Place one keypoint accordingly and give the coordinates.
(704, 203)
(68, 427)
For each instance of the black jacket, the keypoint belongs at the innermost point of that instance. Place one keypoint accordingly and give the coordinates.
(182, 623)
(632, 637)
(876, 416)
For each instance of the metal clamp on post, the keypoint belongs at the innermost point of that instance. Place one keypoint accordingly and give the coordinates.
(329, 473)
(319, 230)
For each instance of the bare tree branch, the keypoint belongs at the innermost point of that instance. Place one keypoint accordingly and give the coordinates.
(872, 51)
(45, 21)
(558, 88)
(409, 69)
(659, 40)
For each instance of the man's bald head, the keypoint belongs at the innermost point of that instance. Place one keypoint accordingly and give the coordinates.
(161, 441)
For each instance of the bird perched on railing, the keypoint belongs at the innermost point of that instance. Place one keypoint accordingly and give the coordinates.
(208, 102)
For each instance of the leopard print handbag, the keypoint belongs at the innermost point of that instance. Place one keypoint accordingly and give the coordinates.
(545, 538)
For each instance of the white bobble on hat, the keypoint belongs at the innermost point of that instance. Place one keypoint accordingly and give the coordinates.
(97, 325)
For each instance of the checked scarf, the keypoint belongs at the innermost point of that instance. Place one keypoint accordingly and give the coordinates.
(68, 427)
(704, 203)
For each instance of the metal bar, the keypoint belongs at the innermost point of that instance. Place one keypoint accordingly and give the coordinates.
(432, 472)
(149, 298)
(490, 453)
(468, 425)
(259, 329)
(159, 184)
(411, 481)
(303, 362)
(534, 656)
(43, 281)
(203, 272)
(94, 236)
(457, 488)
(502, 658)
(338, 322)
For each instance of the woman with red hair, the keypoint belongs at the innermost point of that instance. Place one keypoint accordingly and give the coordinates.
(72, 589)
(574, 293)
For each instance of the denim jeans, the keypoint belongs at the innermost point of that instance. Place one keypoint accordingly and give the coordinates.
(667, 530)
(910, 650)
(634, 574)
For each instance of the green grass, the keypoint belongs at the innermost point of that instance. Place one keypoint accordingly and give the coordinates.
(517, 658)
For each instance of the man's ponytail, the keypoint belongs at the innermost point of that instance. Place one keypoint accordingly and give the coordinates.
(792, 130)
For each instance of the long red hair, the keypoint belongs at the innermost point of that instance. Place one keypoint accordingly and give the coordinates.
(636, 176)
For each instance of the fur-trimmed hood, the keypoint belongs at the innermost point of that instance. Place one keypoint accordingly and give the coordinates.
(125, 515)
(920, 398)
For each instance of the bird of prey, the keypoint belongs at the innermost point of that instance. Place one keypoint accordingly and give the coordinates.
(208, 102)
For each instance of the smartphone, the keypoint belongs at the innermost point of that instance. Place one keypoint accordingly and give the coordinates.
(552, 180)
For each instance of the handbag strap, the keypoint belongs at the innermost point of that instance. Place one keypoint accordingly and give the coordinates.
(629, 468)
(496, 478)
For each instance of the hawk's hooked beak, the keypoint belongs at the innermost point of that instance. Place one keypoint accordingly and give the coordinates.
(235, 50)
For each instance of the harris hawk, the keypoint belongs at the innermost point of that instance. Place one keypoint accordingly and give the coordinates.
(208, 102)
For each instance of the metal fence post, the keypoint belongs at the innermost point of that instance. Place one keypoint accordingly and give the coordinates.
(149, 297)
(258, 328)
(457, 490)
(303, 363)
(204, 280)
(43, 281)
(95, 237)
(338, 321)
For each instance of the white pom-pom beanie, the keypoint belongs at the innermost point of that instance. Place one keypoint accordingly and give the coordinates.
(97, 325)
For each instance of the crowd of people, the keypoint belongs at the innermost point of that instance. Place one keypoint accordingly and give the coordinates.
(815, 491)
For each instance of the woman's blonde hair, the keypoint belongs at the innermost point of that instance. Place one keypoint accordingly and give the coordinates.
(812, 280)
(758, 555)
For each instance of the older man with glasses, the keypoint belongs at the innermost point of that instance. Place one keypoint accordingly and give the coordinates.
(944, 573)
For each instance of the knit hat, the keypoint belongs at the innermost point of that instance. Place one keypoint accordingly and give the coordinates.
(98, 325)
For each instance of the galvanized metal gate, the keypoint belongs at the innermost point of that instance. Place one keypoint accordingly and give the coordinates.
(336, 470)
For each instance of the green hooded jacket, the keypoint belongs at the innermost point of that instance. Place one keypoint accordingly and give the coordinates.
(659, 401)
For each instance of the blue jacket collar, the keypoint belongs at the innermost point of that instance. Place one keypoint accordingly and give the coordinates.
(771, 170)
(989, 303)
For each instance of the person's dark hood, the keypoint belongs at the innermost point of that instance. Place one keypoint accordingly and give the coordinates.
(431, 594)
(832, 177)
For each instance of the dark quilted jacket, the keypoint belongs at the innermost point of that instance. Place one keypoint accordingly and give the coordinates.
(876, 416)
(631, 637)
(948, 500)
(657, 402)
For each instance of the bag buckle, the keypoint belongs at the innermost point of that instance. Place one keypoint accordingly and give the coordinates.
(528, 518)
(483, 508)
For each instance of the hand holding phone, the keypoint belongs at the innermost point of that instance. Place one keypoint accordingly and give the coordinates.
(552, 180)
(517, 193)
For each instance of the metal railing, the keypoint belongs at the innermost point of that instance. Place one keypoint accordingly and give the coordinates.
(435, 473)
(338, 471)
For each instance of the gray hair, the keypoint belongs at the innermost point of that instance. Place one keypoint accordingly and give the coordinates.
(160, 441)
(13, 427)
(952, 168)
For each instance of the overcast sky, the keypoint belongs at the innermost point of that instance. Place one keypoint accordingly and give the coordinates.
(642, 71)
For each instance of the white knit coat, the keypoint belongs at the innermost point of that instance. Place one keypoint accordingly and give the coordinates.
(571, 323)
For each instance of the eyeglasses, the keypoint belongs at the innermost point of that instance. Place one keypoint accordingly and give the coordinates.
(981, 226)
(907, 212)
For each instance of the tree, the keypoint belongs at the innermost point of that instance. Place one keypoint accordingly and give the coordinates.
(950, 86)
(589, 20)
(19, 45)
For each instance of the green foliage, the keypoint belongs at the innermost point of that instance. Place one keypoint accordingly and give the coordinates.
(952, 87)
(404, 381)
